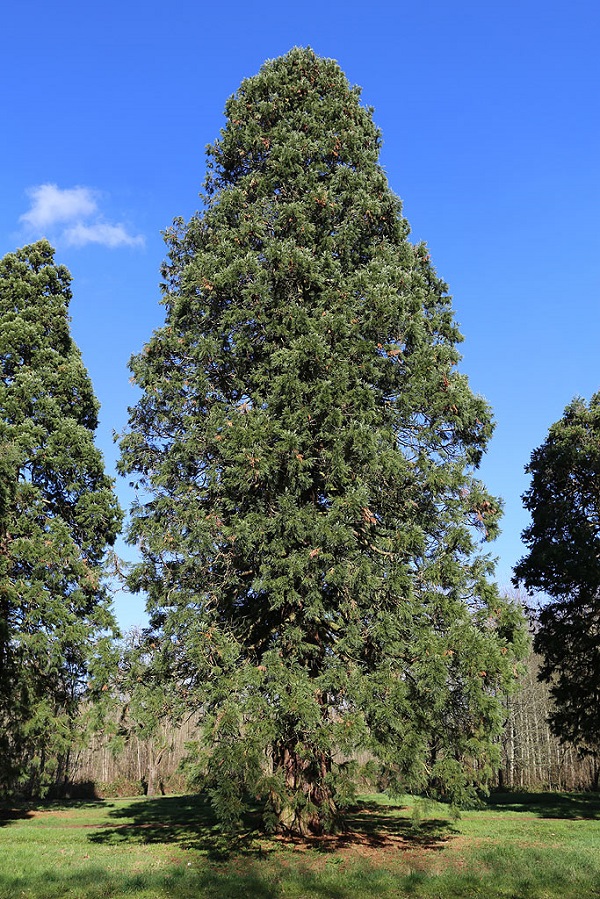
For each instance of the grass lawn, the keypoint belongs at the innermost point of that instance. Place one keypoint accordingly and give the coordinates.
(533, 846)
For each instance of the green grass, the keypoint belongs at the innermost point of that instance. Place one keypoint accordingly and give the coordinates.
(516, 847)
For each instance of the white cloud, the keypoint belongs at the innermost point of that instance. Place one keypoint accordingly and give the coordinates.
(103, 233)
(51, 205)
(73, 215)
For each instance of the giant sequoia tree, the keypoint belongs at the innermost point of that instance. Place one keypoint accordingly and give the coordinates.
(57, 517)
(564, 562)
(305, 448)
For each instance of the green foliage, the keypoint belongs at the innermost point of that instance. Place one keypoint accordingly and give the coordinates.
(563, 561)
(305, 451)
(57, 517)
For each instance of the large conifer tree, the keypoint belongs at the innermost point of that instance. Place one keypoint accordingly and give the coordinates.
(563, 561)
(305, 449)
(58, 515)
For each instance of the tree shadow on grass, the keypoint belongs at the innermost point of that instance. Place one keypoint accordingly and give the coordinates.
(21, 811)
(569, 806)
(201, 882)
(189, 823)
(370, 827)
(9, 814)
(96, 883)
(185, 821)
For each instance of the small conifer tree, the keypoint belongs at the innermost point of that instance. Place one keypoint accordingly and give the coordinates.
(58, 515)
(305, 450)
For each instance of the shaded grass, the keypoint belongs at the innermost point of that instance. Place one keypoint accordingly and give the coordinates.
(519, 846)
(550, 805)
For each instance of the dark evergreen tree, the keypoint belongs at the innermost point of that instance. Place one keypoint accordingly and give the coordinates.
(564, 562)
(58, 515)
(305, 450)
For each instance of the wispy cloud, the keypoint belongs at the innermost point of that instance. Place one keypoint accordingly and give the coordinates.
(102, 233)
(51, 205)
(73, 214)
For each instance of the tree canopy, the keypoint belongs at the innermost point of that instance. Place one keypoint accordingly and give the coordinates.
(563, 561)
(58, 515)
(305, 450)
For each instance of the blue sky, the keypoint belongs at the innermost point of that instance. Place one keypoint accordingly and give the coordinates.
(490, 116)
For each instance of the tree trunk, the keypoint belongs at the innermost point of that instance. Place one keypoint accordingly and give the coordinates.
(154, 784)
(307, 806)
(595, 772)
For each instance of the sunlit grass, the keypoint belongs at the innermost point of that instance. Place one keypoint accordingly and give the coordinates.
(516, 847)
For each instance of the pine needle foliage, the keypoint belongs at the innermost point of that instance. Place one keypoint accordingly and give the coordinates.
(58, 515)
(563, 561)
(305, 452)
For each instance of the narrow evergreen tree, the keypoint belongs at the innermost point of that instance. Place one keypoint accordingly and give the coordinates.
(564, 562)
(58, 514)
(305, 450)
